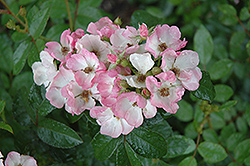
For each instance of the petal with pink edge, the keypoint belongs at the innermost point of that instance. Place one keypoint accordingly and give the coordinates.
(187, 60)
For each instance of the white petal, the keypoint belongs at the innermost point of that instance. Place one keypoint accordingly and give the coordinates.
(142, 62)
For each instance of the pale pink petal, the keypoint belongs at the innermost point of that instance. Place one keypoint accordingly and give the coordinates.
(13, 159)
(168, 34)
(66, 39)
(149, 111)
(168, 76)
(76, 62)
(27, 161)
(187, 60)
(143, 30)
(190, 82)
(152, 45)
(152, 84)
(134, 116)
(84, 80)
(55, 50)
(55, 97)
(168, 59)
(126, 127)
(39, 73)
(112, 127)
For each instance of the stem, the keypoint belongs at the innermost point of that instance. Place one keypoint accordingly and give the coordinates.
(4, 11)
(77, 6)
(242, 25)
(70, 19)
(197, 144)
(11, 13)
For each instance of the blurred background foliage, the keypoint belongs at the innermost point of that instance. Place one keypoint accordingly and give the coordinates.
(217, 30)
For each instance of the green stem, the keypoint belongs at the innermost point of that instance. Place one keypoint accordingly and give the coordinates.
(70, 18)
(11, 13)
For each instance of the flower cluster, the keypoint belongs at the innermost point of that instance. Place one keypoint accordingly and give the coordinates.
(120, 74)
(15, 159)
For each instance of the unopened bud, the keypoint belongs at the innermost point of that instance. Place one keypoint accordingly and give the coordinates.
(125, 63)
(156, 70)
(22, 12)
(145, 93)
(118, 21)
(123, 84)
(11, 24)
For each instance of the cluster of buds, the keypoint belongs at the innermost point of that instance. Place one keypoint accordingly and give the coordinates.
(122, 75)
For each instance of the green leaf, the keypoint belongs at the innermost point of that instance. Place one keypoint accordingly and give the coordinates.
(206, 89)
(247, 115)
(228, 14)
(236, 48)
(20, 55)
(242, 150)
(188, 161)
(203, 44)
(19, 37)
(5, 126)
(6, 56)
(176, 146)
(247, 161)
(226, 132)
(228, 105)
(25, 79)
(38, 23)
(55, 32)
(220, 69)
(234, 140)
(22, 111)
(2, 105)
(30, 14)
(241, 125)
(141, 16)
(33, 55)
(38, 100)
(212, 152)
(244, 14)
(190, 131)
(159, 125)
(104, 146)
(210, 135)
(248, 48)
(223, 92)
(143, 142)
(73, 118)
(220, 51)
(57, 134)
(185, 112)
(217, 120)
(126, 156)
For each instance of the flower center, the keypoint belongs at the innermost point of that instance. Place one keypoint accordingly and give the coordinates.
(88, 70)
(164, 92)
(65, 50)
(96, 53)
(129, 45)
(135, 104)
(141, 78)
(162, 47)
(85, 95)
(176, 71)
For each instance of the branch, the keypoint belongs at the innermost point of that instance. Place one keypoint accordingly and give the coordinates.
(70, 18)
